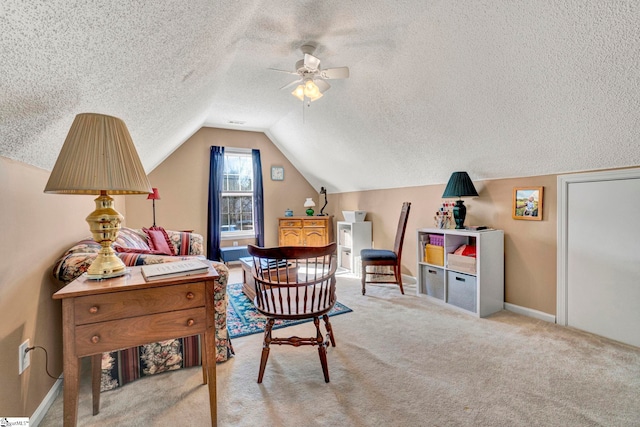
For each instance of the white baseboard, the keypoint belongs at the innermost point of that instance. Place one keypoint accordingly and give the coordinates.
(406, 279)
(530, 312)
(46, 403)
(540, 315)
(409, 279)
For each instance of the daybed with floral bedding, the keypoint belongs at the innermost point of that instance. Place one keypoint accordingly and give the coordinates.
(141, 247)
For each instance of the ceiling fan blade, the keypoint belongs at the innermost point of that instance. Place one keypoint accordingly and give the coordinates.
(322, 85)
(335, 73)
(283, 71)
(293, 83)
(311, 62)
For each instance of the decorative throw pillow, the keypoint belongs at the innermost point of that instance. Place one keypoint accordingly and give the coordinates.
(159, 240)
(137, 251)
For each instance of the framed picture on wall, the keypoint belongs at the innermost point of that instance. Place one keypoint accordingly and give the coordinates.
(527, 203)
(277, 173)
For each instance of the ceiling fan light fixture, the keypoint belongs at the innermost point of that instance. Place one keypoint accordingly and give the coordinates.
(298, 92)
(311, 84)
(311, 90)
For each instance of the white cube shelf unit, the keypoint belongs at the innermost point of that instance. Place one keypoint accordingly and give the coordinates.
(352, 237)
(476, 288)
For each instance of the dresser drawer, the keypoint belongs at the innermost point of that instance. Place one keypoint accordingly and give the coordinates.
(290, 223)
(122, 305)
(124, 333)
(314, 223)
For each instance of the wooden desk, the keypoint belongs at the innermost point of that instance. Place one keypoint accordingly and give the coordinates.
(112, 314)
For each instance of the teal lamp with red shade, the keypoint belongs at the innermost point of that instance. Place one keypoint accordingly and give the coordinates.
(459, 185)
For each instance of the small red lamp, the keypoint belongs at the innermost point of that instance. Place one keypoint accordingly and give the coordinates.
(154, 196)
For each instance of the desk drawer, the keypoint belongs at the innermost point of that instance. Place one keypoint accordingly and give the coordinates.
(118, 334)
(122, 305)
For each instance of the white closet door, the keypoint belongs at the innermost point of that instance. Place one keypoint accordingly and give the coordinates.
(603, 258)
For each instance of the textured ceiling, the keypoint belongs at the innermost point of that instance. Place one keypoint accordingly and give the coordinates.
(494, 87)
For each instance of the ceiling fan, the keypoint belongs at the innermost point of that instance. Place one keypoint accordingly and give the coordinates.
(311, 82)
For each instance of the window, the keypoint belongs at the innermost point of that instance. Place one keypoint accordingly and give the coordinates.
(237, 195)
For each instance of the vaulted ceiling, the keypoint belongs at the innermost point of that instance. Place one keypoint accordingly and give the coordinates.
(495, 87)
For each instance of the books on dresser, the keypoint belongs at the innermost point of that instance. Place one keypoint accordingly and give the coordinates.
(173, 269)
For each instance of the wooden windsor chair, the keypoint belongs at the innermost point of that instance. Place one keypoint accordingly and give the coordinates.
(294, 283)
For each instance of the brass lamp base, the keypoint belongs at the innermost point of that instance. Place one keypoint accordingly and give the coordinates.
(104, 224)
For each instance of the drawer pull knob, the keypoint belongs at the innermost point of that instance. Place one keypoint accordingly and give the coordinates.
(95, 339)
(190, 322)
(190, 295)
(93, 310)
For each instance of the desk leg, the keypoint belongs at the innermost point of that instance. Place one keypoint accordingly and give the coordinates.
(70, 365)
(209, 360)
(96, 380)
(71, 378)
(211, 375)
(203, 358)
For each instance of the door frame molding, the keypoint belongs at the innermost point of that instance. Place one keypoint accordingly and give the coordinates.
(563, 228)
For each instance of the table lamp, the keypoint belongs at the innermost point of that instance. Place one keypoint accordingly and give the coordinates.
(98, 157)
(309, 204)
(154, 196)
(459, 185)
(323, 191)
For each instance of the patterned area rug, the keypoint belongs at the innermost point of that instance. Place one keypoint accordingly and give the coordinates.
(243, 319)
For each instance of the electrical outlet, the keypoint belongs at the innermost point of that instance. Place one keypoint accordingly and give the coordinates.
(235, 243)
(24, 358)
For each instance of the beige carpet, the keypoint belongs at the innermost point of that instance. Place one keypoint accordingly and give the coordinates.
(399, 361)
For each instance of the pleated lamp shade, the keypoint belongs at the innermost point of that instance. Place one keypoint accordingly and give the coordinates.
(98, 155)
(459, 185)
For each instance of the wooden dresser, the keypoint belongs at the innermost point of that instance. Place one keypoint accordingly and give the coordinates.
(305, 230)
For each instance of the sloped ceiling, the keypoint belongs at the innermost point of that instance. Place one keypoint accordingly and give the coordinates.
(494, 87)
